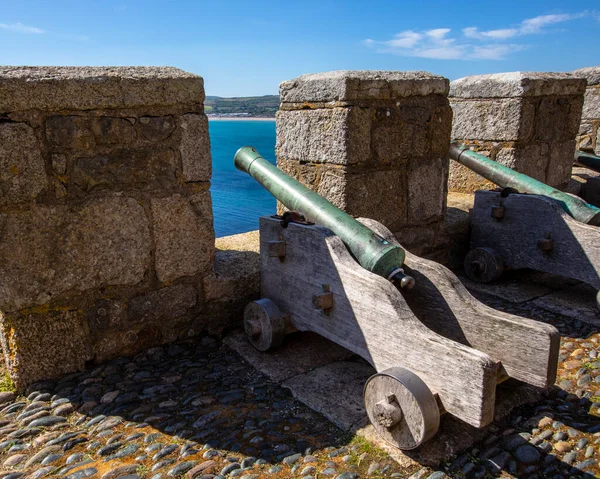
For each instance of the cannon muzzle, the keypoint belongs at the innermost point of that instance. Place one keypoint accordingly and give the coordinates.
(371, 251)
(589, 160)
(508, 178)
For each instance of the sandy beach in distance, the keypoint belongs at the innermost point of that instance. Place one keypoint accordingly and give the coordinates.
(237, 118)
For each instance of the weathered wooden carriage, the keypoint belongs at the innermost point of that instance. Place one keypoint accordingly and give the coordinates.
(547, 230)
(435, 348)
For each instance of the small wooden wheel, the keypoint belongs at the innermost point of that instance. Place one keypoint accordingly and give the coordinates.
(264, 324)
(401, 408)
(483, 265)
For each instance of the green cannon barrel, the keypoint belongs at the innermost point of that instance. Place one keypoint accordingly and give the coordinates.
(588, 160)
(371, 251)
(508, 178)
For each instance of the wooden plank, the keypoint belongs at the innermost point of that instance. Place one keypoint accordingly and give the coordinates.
(371, 318)
(527, 349)
(529, 219)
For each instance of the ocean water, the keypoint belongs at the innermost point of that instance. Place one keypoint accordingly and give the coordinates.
(238, 200)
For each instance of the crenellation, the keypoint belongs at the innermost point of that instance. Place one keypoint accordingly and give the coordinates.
(106, 213)
(588, 138)
(525, 120)
(374, 143)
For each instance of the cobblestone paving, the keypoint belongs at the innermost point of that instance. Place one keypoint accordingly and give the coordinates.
(192, 410)
(196, 410)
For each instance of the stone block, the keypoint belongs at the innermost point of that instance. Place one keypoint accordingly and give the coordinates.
(558, 172)
(152, 168)
(70, 133)
(417, 240)
(112, 131)
(195, 148)
(371, 142)
(517, 85)
(156, 128)
(591, 74)
(50, 250)
(357, 85)
(22, 172)
(96, 88)
(335, 135)
(164, 305)
(43, 343)
(526, 121)
(499, 120)
(591, 104)
(183, 235)
(557, 119)
(426, 190)
(235, 277)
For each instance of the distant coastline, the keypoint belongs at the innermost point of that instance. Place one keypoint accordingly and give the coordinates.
(239, 118)
(243, 107)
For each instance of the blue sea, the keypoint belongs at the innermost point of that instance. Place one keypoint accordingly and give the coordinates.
(238, 200)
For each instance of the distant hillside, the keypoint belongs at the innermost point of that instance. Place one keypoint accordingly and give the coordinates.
(257, 106)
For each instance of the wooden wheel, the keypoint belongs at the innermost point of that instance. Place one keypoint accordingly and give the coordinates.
(483, 265)
(264, 324)
(401, 408)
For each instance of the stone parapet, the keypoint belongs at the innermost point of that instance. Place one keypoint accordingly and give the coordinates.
(588, 138)
(107, 240)
(524, 120)
(374, 143)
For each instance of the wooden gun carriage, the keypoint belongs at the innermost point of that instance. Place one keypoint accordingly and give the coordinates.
(435, 348)
(546, 230)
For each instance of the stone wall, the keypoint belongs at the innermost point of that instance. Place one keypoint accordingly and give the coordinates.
(106, 228)
(589, 131)
(527, 121)
(374, 143)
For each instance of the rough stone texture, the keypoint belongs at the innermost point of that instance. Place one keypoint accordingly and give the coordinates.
(373, 143)
(44, 343)
(49, 250)
(526, 121)
(498, 119)
(195, 148)
(516, 85)
(349, 85)
(589, 134)
(77, 88)
(336, 136)
(22, 175)
(106, 230)
(184, 236)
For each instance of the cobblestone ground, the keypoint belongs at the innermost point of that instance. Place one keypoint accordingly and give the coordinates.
(196, 410)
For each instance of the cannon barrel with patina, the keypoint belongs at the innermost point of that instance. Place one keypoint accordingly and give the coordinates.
(508, 178)
(589, 160)
(372, 252)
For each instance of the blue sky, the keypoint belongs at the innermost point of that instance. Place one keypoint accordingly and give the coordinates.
(248, 47)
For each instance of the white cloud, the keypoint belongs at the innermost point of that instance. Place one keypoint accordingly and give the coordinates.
(500, 34)
(438, 33)
(526, 27)
(534, 25)
(20, 28)
(407, 39)
(488, 45)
